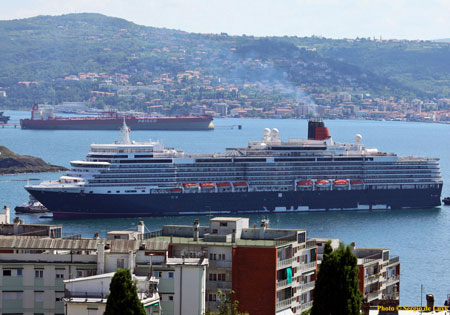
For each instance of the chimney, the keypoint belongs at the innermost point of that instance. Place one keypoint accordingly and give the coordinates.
(7, 215)
(195, 230)
(17, 222)
(131, 261)
(141, 227)
(100, 258)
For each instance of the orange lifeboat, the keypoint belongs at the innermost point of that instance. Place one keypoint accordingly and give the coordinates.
(207, 185)
(356, 182)
(190, 185)
(305, 183)
(340, 182)
(176, 190)
(240, 184)
(322, 182)
(223, 185)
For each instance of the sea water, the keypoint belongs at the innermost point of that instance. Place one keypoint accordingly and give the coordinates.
(420, 237)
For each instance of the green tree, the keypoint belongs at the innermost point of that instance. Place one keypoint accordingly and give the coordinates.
(226, 305)
(123, 298)
(337, 287)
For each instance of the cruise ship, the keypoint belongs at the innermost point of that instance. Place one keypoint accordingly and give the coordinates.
(131, 178)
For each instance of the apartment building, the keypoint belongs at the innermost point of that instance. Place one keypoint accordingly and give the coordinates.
(88, 295)
(379, 272)
(271, 271)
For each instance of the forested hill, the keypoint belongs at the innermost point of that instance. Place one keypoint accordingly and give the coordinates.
(38, 55)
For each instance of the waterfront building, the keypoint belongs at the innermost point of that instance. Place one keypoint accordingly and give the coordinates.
(88, 295)
(270, 270)
(379, 272)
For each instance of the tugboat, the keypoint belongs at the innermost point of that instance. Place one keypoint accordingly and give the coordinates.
(32, 206)
(3, 119)
(446, 201)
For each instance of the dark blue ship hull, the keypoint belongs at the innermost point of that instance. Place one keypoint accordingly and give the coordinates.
(75, 205)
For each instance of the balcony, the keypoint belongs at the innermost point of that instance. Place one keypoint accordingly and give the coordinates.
(304, 306)
(308, 267)
(285, 303)
(214, 285)
(371, 279)
(285, 263)
(391, 296)
(283, 284)
(220, 264)
(372, 296)
(311, 244)
(307, 286)
(394, 260)
(391, 280)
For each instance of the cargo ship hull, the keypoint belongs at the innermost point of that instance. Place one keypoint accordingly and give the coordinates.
(114, 123)
(66, 205)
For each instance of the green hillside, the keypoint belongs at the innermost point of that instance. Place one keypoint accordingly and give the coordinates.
(37, 55)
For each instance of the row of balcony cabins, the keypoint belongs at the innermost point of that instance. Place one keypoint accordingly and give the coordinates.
(178, 269)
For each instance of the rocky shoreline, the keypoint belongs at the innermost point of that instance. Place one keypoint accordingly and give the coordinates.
(12, 163)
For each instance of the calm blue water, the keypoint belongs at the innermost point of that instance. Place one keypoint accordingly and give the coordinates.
(419, 237)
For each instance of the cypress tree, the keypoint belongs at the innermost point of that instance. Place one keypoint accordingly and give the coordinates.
(123, 298)
(337, 287)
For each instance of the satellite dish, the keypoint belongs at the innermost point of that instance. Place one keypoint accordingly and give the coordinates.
(358, 138)
(267, 132)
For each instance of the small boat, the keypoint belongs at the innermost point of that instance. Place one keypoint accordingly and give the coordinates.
(32, 206)
(3, 119)
(446, 201)
(322, 184)
(207, 186)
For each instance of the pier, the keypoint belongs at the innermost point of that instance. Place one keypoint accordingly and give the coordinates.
(10, 125)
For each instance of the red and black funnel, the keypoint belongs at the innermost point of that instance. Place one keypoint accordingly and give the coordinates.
(317, 130)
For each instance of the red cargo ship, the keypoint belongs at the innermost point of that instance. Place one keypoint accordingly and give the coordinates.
(43, 118)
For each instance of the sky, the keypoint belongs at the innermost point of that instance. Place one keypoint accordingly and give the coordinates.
(400, 19)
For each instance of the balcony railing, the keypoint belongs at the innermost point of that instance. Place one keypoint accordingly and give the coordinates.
(308, 267)
(305, 306)
(391, 296)
(307, 286)
(214, 285)
(310, 244)
(285, 262)
(372, 296)
(285, 303)
(220, 264)
(394, 260)
(371, 279)
(392, 280)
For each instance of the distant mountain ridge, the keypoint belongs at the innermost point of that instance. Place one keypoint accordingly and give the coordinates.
(43, 50)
